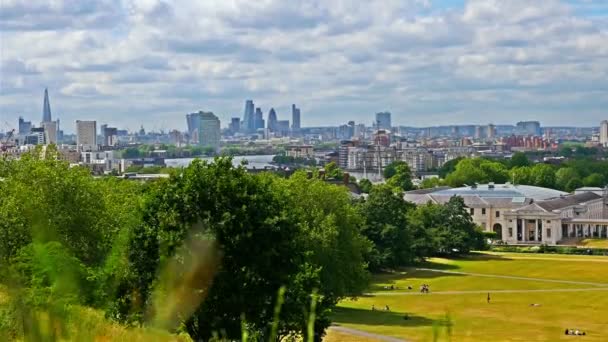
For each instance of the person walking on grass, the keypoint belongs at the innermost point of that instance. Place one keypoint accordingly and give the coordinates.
(488, 297)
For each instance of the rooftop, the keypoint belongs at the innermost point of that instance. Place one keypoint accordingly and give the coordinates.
(503, 191)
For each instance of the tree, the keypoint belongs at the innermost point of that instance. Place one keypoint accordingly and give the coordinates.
(386, 225)
(519, 159)
(431, 182)
(449, 167)
(401, 177)
(564, 175)
(333, 171)
(543, 175)
(522, 175)
(595, 180)
(449, 227)
(573, 184)
(365, 185)
(131, 153)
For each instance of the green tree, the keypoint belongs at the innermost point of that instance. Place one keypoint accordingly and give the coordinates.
(595, 180)
(432, 182)
(543, 175)
(449, 167)
(450, 228)
(365, 185)
(522, 175)
(333, 171)
(401, 177)
(573, 184)
(519, 159)
(564, 175)
(386, 225)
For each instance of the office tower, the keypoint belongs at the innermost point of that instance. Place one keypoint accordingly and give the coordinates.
(283, 127)
(249, 117)
(360, 131)
(528, 128)
(24, 126)
(209, 131)
(46, 107)
(272, 120)
(86, 135)
(604, 133)
(258, 119)
(295, 117)
(194, 121)
(383, 120)
(477, 132)
(491, 131)
(110, 135)
(235, 125)
(36, 136)
(50, 132)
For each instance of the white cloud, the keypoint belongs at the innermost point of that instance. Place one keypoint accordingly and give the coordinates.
(126, 61)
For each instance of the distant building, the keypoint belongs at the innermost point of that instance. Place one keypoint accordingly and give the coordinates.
(249, 117)
(295, 118)
(383, 120)
(235, 125)
(86, 135)
(50, 132)
(283, 127)
(491, 131)
(46, 107)
(193, 121)
(300, 151)
(604, 133)
(36, 136)
(25, 127)
(259, 119)
(209, 130)
(528, 128)
(272, 120)
(110, 136)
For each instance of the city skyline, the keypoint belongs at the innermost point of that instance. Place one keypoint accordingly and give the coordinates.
(453, 62)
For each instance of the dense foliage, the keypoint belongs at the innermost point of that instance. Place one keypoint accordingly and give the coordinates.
(211, 249)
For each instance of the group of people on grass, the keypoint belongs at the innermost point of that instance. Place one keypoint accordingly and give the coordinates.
(424, 288)
(575, 332)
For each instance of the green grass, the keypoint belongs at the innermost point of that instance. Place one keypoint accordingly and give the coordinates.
(509, 316)
(595, 243)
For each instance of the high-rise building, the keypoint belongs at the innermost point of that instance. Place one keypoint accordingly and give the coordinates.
(249, 117)
(110, 136)
(259, 119)
(272, 120)
(491, 131)
(604, 133)
(25, 127)
(50, 132)
(383, 120)
(36, 136)
(528, 128)
(193, 121)
(283, 127)
(46, 107)
(209, 131)
(86, 135)
(235, 125)
(295, 118)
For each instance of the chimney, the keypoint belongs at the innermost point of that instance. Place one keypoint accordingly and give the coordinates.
(346, 178)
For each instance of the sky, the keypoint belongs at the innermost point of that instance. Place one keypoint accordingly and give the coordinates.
(428, 62)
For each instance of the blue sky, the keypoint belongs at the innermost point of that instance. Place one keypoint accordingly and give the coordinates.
(429, 62)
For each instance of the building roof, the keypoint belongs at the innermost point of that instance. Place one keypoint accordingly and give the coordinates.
(504, 191)
(567, 201)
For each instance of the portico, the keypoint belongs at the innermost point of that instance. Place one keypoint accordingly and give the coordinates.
(585, 228)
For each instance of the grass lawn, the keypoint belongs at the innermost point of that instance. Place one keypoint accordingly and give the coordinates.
(462, 298)
(595, 243)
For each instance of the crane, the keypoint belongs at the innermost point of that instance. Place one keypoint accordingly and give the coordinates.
(4, 145)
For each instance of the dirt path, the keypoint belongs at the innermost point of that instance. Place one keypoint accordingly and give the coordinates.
(516, 277)
(362, 333)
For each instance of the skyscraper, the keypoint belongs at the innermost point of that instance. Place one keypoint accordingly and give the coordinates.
(383, 120)
(46, 107)
(209, 131)
(604, 133)
(50, 131)
(272, 120)
(528, 128)
(24, 126)
(295, 117)
(248, 117)
(259, 119)
(235, 125)
(86, 135)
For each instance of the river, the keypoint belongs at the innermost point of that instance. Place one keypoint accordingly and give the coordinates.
(254, 161)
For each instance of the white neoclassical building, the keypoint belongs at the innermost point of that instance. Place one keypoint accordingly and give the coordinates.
(523, 214)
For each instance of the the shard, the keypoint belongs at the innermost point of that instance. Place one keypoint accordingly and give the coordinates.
(46, 108)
